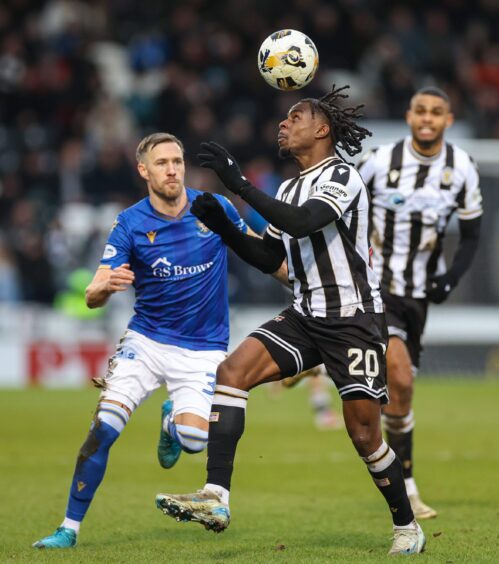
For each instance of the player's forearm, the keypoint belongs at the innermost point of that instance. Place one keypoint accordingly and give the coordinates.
(252, 250)
(281, 275)
(468, 244)
(297, 221)
(97, 294)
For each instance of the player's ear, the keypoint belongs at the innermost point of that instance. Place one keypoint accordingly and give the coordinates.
(408, 117)
(450, 120)
(323, 131)
(141, 167)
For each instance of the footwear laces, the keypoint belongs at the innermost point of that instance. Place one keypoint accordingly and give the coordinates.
(404, 539)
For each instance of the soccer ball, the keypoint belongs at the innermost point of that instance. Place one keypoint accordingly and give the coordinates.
(288, 59)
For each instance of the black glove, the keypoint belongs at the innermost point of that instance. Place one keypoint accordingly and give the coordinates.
(209, 210)
(224, 164)
(440, 287)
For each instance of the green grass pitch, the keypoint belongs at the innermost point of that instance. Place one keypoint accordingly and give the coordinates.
(299, 495)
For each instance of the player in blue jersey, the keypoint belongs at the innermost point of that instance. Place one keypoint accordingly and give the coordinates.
(179, 333)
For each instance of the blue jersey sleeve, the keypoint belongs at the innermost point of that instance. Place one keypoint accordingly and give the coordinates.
(232, 213)
(118, 249)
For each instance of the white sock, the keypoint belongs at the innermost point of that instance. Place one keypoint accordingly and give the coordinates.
(222, 493)
(411, 526)
(70, 524)
(410, 486)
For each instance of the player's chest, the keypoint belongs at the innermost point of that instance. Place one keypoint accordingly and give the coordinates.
(416, 188)
(163, 244)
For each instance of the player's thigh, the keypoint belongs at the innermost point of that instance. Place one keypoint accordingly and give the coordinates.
(398, 363)
(406, 319)
(130, 377)
(248, 366)
(281, 347)
(353, 351)
(190, 378)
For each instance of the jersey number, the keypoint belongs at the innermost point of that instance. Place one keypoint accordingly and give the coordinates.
(369, 359)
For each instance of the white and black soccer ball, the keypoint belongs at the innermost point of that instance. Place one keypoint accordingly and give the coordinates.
(288, 59)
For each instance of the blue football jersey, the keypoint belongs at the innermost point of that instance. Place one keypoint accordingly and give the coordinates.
(180, 271)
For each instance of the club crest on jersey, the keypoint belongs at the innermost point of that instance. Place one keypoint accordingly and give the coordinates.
(447, 176)
(203, 231)
(151, 235)
(393, 175)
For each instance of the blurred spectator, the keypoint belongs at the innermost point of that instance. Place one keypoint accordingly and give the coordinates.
(9, 281)
(82, 81)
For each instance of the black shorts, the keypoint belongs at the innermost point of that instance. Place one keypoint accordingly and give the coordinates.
(351, 348)
(406, 318)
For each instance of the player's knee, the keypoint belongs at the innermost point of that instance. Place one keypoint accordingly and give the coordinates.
(191, 439)
(401, 393)
(99, 439)
(365, 440)
(229, 374)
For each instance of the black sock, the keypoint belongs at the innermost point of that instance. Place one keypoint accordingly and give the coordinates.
(399, 431)
(402, 446)
(386, 471)
(226, 428)
(390, 483)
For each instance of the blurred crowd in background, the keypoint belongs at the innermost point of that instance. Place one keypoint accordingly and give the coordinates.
(81, 82)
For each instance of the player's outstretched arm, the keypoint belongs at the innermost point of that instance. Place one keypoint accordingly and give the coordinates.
(297, 221)
(264, 254)
(106, 282)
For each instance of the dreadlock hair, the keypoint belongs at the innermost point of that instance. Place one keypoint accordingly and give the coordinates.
(345, 133)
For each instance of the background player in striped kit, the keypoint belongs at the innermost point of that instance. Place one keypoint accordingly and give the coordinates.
(319, 222)
(416, 184)
(180, 330)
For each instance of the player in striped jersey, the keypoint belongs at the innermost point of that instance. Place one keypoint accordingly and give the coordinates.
(319, 222)
(416, 185)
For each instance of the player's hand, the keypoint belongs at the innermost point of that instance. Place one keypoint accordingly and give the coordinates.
(214, 156)
(209, 210)
(121, 279)
(440, 287)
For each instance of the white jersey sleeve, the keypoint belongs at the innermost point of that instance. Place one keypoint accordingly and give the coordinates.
(367, 166)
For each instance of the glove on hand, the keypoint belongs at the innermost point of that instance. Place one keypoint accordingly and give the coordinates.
(440, 287)
(224, 164)
(209, 210)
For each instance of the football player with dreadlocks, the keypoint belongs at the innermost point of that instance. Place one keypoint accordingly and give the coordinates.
(319, 222)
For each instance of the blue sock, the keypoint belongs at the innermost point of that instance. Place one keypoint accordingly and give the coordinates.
(191, 439)
(92, 459)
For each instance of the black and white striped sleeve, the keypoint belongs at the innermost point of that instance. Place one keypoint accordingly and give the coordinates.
(337, 188)
(469, 200)
(273, 232)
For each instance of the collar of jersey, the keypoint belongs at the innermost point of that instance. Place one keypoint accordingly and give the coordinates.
(419, 156)
(318, 165)
(167, 217)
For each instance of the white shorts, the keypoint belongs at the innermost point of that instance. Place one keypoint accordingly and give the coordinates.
(141, 365)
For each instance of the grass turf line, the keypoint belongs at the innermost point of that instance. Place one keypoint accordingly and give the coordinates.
(299, 495)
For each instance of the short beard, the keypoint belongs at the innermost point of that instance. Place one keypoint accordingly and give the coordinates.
(284, 153)
(428, 144)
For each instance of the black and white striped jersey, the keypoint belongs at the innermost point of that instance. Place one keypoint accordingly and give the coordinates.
(329, 269)
(412, 200)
